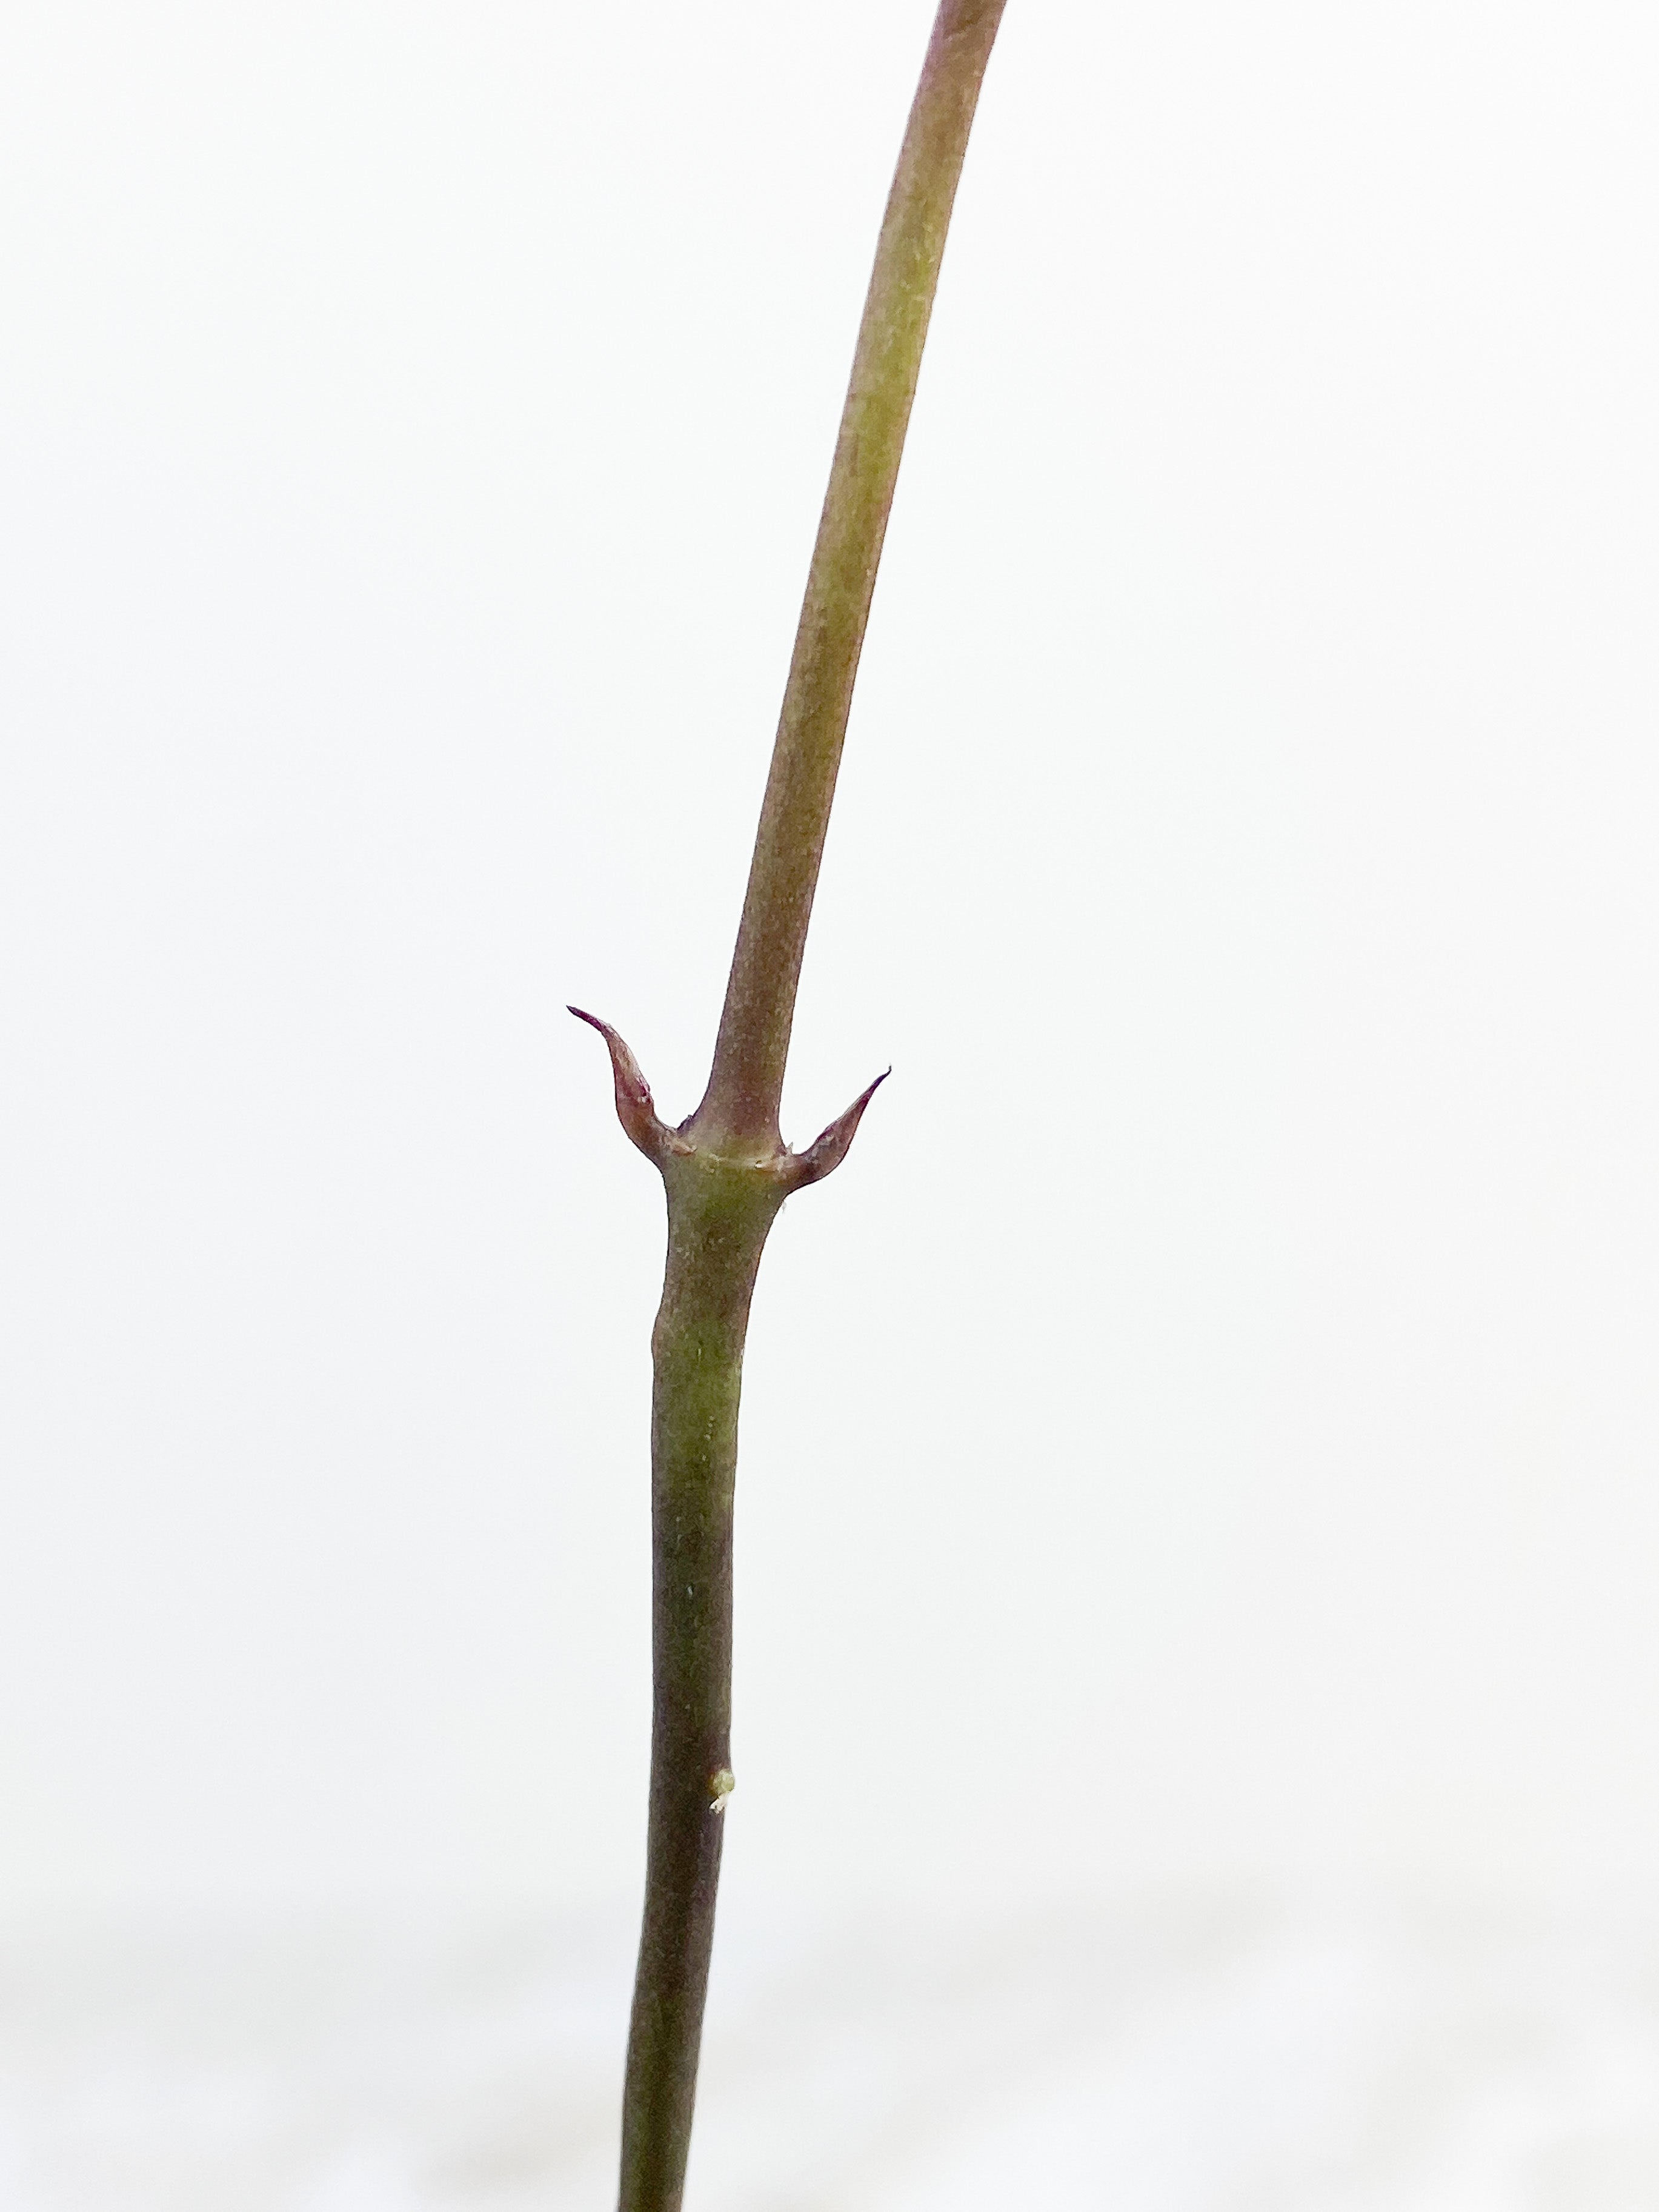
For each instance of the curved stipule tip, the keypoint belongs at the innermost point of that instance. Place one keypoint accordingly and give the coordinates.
(634, 1109)
(826, 1152)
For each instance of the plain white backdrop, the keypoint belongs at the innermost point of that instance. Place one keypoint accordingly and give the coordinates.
(1210, 1430)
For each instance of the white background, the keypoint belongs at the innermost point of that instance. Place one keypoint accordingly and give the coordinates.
(1209, 1429)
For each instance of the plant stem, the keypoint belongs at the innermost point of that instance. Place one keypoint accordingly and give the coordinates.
(726, 1169)
(718, 1218)
(746, 1083)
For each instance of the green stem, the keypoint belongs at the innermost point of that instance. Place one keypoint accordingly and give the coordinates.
(719, 1213)
(726, 1169)
(746, 1083)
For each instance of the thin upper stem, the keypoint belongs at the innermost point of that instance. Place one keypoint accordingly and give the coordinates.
(739, 1109)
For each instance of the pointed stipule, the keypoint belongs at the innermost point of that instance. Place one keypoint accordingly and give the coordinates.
(634, 1109)
(826, 1152)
